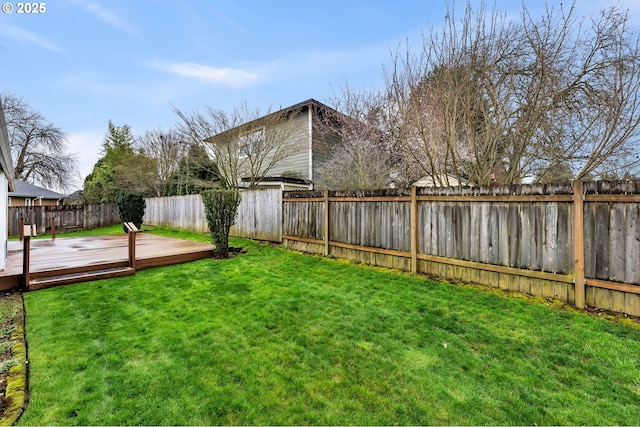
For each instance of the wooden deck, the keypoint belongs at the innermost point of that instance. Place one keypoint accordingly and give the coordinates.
(76, 259)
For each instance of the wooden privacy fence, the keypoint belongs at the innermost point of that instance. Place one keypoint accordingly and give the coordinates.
(259, 214)
(68, 218)
(579, 242)
(184, 212)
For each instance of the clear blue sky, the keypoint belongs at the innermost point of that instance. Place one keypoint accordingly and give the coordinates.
(82, 63)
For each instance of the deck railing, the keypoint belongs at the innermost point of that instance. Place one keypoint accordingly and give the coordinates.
(132, 231)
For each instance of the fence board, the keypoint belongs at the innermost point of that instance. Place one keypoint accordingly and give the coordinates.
(617, 243)
(632, 244)
(602, 236)
(564, 248)
(537, 216)
(549, 238)
(589, 239)
(472, 239)
(512, 232)
(485, 230)
(259, 215)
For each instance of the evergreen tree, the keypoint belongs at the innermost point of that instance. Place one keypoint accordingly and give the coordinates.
(121, 168)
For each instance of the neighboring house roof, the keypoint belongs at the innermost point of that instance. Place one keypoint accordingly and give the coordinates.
(6, 164)
(24, 189)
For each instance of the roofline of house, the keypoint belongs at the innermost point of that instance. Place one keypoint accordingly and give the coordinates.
(27, 190)
(286, 180)
(5, 150)
(284, 112)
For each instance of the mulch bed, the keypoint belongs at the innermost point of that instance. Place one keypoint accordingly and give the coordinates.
(13, 375)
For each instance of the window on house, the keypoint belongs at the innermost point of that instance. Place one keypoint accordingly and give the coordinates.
(251, 142)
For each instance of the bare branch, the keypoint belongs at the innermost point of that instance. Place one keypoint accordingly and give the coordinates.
(486, 96)
(245, 144)
(166, 149)
(38, 147)
(360, 149)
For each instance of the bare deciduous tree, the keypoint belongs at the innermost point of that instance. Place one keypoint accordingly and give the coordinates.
(487, 96)
(166, 150)
(245, 144)
(38, 147)
(360, 151)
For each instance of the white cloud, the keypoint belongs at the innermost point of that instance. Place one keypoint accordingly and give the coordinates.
(108, 16)
(227, 76)
(23, 36)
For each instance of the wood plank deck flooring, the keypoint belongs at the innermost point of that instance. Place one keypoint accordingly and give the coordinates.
(75, 255)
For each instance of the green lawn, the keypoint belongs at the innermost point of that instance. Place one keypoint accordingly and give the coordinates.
(279, 338)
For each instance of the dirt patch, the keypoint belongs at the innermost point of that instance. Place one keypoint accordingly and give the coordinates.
(233, 252)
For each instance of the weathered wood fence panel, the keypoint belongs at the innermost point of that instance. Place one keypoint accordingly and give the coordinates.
(515, 237)
(483, 232)
(490, 232)
(184, 212)
(304, 220)
(371, 224)
(68, 217)
(259, 214)
(100, 215)
(612, 245)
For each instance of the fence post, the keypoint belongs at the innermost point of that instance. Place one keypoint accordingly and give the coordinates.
(578, 242)
(43, 219)
(414, 229)
(21, 226)
(326, 223)
(53, 227)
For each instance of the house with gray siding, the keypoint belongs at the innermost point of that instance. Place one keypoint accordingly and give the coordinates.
(299, 128)
(6, 185)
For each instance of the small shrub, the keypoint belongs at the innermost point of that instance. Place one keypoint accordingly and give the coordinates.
(131, 208)
(221, 208)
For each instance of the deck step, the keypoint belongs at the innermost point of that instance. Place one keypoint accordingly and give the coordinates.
(87, 276)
